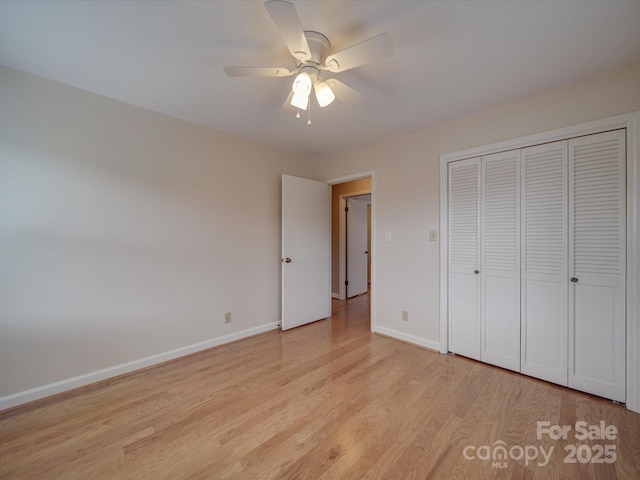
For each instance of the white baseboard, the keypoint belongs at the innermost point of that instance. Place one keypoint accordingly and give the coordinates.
(335, 295)
(92, 377)
(405, 337)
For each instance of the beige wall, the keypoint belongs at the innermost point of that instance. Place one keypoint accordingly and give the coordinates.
(125, 233)
(407, 186)
(122, 234)
(356, 186)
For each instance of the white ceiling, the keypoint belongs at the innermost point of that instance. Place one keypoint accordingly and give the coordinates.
(452, 58)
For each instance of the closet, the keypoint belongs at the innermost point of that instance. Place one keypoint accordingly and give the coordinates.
(536, 261)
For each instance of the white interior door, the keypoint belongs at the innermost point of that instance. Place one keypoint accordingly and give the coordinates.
(597, 264)
(544, 286)
(357, 253)
(306, 251)
(464, 257)
(500, 266)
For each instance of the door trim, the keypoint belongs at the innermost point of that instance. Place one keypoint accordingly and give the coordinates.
(357, 176)
(630, 121)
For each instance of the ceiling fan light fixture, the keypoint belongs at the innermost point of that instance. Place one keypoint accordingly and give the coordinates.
(313, 54)
(324, 94)
(302, 85)
(300, 101)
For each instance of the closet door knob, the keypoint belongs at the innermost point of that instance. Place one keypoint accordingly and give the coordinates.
(574, 280)
(476, 271)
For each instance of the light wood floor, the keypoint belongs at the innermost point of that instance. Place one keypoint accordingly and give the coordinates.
(325, 401)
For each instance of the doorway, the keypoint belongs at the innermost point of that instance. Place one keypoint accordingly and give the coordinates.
(358, 186)
(357, 238)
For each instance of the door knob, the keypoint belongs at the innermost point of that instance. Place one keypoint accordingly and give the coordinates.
(366, 251)
(286, 260)
(476, 271)
(574, 280)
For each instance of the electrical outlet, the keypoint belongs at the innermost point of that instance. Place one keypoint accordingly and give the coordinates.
(405, 316)
(227, 317)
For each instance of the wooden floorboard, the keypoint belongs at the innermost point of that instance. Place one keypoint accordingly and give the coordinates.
(325, 401)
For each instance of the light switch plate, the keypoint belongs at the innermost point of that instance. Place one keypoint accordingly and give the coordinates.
(433, 235)
(387, 236)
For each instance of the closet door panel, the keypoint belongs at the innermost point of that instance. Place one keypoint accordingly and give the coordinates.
(597, 264)
(544, 338)
(500, 266)
(464, 261)
(501, 311)
(544, 263)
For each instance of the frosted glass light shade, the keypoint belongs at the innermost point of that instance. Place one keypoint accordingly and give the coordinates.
(302, 84)
(300, 101)
(324, 94)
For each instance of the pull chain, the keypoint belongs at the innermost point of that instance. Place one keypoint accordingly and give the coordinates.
(309, 107)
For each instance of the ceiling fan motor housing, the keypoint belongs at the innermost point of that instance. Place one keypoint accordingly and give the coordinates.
(319, 46)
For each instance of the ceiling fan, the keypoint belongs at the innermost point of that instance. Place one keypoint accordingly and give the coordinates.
(312, 55)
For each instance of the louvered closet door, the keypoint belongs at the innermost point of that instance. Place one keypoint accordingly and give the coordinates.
(464, 252)
(544, 262)
(597, 264)
(500, 270)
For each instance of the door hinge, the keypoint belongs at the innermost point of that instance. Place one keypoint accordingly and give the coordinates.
(346, 209)
(346, 282)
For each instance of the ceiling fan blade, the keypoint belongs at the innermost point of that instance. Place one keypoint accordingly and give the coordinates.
(258, 71)
(285, 17)
(344, 92)
(368, 51)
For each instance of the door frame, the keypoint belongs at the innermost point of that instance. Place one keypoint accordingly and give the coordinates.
(342, 239)
(342, 254)
(630, 121)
